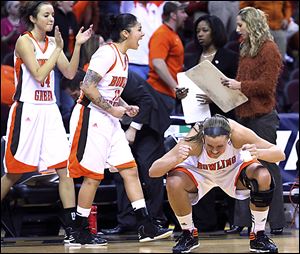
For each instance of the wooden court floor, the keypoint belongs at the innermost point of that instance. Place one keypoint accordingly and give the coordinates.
(216, 242)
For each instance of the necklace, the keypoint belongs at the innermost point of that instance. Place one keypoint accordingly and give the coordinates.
(212, 54)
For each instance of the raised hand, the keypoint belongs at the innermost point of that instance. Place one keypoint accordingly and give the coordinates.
(58, 39)
(82, 37)
(183, 151)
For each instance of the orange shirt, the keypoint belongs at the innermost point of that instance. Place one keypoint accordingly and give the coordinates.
(165, 44)
(7, 84)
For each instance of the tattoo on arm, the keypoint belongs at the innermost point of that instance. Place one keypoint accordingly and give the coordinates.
(91, 79)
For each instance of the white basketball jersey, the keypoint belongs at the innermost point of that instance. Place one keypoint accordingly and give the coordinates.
(27, 88)
(112, 66)
(226, 162)
(223, 171)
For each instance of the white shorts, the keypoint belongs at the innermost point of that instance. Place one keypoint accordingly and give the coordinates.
(36, 139)
(97, 141)
(205, 180)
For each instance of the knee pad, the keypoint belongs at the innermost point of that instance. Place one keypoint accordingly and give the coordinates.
(262, 198)
(258, 198)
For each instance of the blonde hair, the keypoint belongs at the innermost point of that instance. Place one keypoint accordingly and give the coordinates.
(257, 28)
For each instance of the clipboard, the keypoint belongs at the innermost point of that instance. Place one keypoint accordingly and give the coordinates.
(207, 76)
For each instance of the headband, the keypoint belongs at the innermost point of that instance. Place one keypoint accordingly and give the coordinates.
(215, 131)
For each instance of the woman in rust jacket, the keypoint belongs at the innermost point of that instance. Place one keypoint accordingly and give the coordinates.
(259, 68)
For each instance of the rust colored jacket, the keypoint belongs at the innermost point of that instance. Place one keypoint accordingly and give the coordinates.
(258, 76)
(276, 11)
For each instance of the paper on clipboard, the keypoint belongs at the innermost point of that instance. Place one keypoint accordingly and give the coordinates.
(207, 77)
(192, 109)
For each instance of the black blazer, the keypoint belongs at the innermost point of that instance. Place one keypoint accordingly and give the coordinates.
(226, 61)
(152, 112)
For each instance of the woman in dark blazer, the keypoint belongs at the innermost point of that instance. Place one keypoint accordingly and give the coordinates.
(209, 41)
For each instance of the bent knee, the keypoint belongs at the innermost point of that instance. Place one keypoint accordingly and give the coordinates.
(174, 183)
(263, 177)
(91, 182)
(129, 173)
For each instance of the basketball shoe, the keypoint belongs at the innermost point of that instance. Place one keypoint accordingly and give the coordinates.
(69, 239)
(187, 241)
(148, 231)
(82, 237)
(260, 242)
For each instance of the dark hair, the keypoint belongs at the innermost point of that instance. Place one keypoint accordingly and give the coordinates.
(172, 6)
(30, 8)
(124, 21)
(217, 125)
(74, 83)
(218, 31)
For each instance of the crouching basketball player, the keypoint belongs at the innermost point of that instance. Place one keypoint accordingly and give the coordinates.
(213, 154)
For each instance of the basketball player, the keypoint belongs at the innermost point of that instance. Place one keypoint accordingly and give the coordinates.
(36, 138)
(213, 154)
(97, 139)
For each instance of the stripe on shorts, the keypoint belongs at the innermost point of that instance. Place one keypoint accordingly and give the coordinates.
(16, 128)
(83, 133)
(13, 165)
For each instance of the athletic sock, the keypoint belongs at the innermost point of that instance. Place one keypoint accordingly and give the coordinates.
(69, 216)
(186, 222)
(259, 219)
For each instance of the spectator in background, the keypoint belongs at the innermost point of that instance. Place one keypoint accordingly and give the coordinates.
(166, 55)
(225, 11)
(67, 23)
(209, 40)
(196, 9)
(11, 28)
(149, 14)
(107, 9)
(87, 13)
(258, 113)
(278, 16)
(145, 134)
(66, 20)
